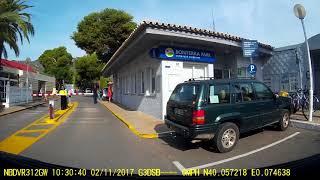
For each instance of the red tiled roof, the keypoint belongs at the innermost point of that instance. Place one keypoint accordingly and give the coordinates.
(199, 31)
(16, 65)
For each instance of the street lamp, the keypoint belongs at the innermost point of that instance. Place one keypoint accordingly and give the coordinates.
(300, 13)
(27, 82)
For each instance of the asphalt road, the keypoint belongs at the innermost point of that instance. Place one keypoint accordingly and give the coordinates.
(93, 138)
(11, 123)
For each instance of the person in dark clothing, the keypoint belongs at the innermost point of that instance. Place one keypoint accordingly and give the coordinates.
(95, 94)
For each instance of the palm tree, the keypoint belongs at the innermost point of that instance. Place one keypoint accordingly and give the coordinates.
(15, 25)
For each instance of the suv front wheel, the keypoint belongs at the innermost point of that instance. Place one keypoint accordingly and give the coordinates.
(227, 137)
(284, 121)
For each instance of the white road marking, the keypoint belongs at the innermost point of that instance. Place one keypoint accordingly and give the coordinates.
(180, 166)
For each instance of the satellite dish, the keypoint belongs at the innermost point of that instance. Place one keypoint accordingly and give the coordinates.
(299, 11)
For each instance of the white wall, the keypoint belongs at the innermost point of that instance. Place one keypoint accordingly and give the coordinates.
(147, 102)
(173, 73)
(17, 95)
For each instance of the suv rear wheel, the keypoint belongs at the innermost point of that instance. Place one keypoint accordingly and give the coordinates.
(284, 121)
(227, 137)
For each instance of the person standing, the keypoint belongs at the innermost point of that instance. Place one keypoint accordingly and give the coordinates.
(110, 91)
(95, 94)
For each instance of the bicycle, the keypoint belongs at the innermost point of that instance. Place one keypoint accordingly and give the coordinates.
(300, 100)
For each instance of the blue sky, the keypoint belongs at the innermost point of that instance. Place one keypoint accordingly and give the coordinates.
(268, 21)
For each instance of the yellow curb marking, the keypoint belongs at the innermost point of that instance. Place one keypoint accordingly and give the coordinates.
(16, 143)
(131, 127)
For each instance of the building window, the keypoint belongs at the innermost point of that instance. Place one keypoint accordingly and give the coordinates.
(242, 72)
(142, 82)
(124, 84)
(132, 83)
(293, 82)
(153, 80)
(135, 83)
(285, 82)
(128, 84)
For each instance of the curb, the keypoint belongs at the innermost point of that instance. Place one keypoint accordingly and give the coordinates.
(305, 125)
(28, 107)
(132, 128)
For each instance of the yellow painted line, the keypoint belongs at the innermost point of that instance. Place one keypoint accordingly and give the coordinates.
(33, 130)
(131, 127)
(15, 144)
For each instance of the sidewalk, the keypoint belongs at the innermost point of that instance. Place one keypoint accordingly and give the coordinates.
(298, 120)
(22, 107)
(143, 125)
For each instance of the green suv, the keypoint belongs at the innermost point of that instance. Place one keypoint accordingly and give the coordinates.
(219, 110)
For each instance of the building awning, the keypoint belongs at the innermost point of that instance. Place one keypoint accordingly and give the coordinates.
(152, 31)
(16, 65)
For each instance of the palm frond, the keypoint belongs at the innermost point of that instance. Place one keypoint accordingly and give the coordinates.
(15, 25)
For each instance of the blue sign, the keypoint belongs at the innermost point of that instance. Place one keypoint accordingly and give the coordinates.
(183, 54)
(250, 48)
(252, 69)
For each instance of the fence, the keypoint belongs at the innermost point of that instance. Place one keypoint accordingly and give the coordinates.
(17, 95)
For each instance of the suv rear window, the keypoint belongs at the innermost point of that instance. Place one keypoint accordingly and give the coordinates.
(185, 93)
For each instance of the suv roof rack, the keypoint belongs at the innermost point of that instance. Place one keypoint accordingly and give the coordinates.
(201, 78)
(211, 78)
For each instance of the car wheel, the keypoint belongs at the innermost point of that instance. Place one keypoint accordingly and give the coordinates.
(284, 121)
(227, 137)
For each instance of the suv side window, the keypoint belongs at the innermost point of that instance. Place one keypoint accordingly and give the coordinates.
(219, 94)
(243, 92)
(262, 91)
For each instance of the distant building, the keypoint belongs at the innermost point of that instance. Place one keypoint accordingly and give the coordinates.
(282, 71)
(15, 73)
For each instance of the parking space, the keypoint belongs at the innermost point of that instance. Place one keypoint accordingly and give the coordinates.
(259, 148)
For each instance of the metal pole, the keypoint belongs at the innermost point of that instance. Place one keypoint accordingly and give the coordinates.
(27, 82)
(310, 73)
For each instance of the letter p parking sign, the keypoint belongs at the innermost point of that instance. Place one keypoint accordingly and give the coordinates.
(252, 69)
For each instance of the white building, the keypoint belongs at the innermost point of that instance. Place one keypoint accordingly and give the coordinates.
(157, 56)
(14, 76)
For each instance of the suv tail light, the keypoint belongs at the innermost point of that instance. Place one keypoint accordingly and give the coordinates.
(198, 117)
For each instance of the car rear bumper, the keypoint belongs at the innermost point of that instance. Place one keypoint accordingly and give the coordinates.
(204, 132)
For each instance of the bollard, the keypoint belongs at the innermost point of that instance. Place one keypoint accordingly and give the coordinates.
(51, 112)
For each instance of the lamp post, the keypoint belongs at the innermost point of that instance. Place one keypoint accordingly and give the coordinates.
(27, 81)
(300, 13)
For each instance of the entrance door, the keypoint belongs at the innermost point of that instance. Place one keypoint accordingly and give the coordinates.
(217, 74)
(192, 71)
(187, 72)
(198, 72)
